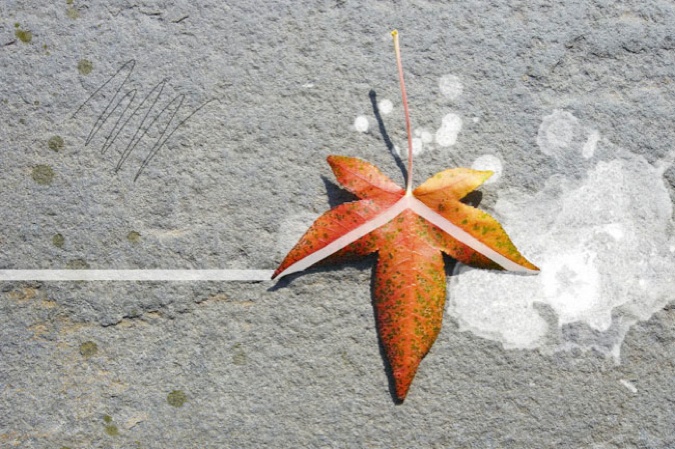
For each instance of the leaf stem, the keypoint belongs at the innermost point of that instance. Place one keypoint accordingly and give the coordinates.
(397, 49)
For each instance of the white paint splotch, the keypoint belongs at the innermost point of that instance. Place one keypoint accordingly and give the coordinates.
(489, 162)
(450, 86)
(557, 132)
(447, 134)
(422, 138)
(601, 232)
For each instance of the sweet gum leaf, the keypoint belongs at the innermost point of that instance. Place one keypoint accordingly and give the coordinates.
(409, 233)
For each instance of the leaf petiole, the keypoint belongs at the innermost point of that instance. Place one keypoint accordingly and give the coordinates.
(397, 49)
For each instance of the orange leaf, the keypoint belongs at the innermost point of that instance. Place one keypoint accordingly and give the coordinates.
(409, 232)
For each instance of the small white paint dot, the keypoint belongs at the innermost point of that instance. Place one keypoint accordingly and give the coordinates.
(475, 120)
(385, 106)
(489, 162)
(424, 134)
(417, 146)
(361, 124)
(450, 128)
(557, 132)
(450, 86)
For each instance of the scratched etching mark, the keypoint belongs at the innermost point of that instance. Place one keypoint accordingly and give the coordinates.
(149, 111)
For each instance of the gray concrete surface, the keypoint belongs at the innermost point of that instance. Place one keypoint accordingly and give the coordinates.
(570, 99)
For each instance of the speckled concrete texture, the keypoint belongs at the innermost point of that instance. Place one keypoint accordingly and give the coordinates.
(193, 135)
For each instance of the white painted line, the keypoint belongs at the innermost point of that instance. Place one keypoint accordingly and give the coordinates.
(136, 275)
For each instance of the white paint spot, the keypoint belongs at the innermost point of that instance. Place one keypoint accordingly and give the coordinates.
(451, 87)
(489, 162)
(556, 132)
(475, 119)
(590, 145)
(308, 85)
(417, 146)
(424, 134)
(361, 124)
(565, 139)
(629, 385)
(449, 130)
(385, 106)
(600, 231)
(421, 142)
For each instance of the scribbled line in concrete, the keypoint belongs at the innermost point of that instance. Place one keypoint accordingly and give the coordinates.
(136, 275)
(152, 115)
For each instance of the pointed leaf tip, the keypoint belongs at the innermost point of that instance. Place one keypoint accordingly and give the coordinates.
(453, 183)
(363, 179)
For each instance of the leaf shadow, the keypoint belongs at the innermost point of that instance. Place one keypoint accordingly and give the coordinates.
(473, 198)
(336, 194)
(385, 136)
(361, 264)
